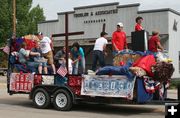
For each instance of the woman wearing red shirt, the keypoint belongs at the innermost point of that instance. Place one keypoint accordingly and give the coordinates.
(138, 26)
(119, 39)
(154, 42)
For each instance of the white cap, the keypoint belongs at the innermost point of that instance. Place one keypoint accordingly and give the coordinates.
(120, 24)
(40, 33)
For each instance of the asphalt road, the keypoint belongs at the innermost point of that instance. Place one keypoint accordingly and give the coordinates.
(19, 106)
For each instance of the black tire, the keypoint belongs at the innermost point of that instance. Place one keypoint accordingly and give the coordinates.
(41, 98)
(62, 100)
(5, 73)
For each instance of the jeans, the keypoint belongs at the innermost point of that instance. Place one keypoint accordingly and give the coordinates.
(32, 66)
(80, 63)
(37, 64)
(117, 70)
(114, 53)
(98, 56)
(151, 53)
(43, 64)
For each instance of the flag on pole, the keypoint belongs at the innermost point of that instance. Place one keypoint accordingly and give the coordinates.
(6, 49)
(62, 70)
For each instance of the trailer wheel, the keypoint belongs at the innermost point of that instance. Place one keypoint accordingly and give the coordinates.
(5, 73)
(41, 98)
(62, 100)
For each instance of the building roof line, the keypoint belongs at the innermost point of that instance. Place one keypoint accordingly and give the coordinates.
(48, 21)
(159, 10)
(69, 12)
(128, 5)
(98, 5)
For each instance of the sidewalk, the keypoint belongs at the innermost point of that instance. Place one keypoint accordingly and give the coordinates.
(3, 81)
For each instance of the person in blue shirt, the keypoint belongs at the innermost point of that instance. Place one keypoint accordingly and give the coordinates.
(38, 59)
(78, 58)
(25, 60)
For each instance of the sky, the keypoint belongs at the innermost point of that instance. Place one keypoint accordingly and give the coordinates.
(52, 7)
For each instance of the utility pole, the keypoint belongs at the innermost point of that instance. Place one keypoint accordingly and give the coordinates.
(14, 17)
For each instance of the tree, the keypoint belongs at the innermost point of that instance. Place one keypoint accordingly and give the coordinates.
(27, 18)
(35, 15)
(5, 25)
(23, 9)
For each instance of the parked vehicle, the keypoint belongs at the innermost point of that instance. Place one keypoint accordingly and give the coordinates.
(3, 71)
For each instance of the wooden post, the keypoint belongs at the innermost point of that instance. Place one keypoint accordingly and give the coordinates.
(103, 30)
(66, 39)
(67, 34)
(104, 27)
(14, 17)
(178, 88)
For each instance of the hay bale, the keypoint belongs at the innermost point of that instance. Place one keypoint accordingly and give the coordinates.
(135, 57)
(123, 58)
(31, 37)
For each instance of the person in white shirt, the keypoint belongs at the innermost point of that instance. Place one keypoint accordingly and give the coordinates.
(70, 66)
(45, 46)
(99, 51)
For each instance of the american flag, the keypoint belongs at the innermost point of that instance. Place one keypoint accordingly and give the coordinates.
(62, 70)
(6, 49)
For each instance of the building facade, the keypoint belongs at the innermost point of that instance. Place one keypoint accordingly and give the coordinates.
(90, 19)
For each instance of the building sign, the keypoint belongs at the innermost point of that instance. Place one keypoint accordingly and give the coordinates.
(95, 21)
(107, 86)
(97, 13)
(105, 12)
(81, 15)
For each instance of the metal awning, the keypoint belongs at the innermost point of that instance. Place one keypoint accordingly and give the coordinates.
(91, 41)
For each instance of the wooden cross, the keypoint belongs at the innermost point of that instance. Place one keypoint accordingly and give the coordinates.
(67, 34)
(103, 30)
(104, 27)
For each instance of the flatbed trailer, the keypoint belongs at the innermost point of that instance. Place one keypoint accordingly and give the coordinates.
(63, 96)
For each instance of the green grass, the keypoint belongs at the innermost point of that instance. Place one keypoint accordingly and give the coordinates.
(174, 84)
